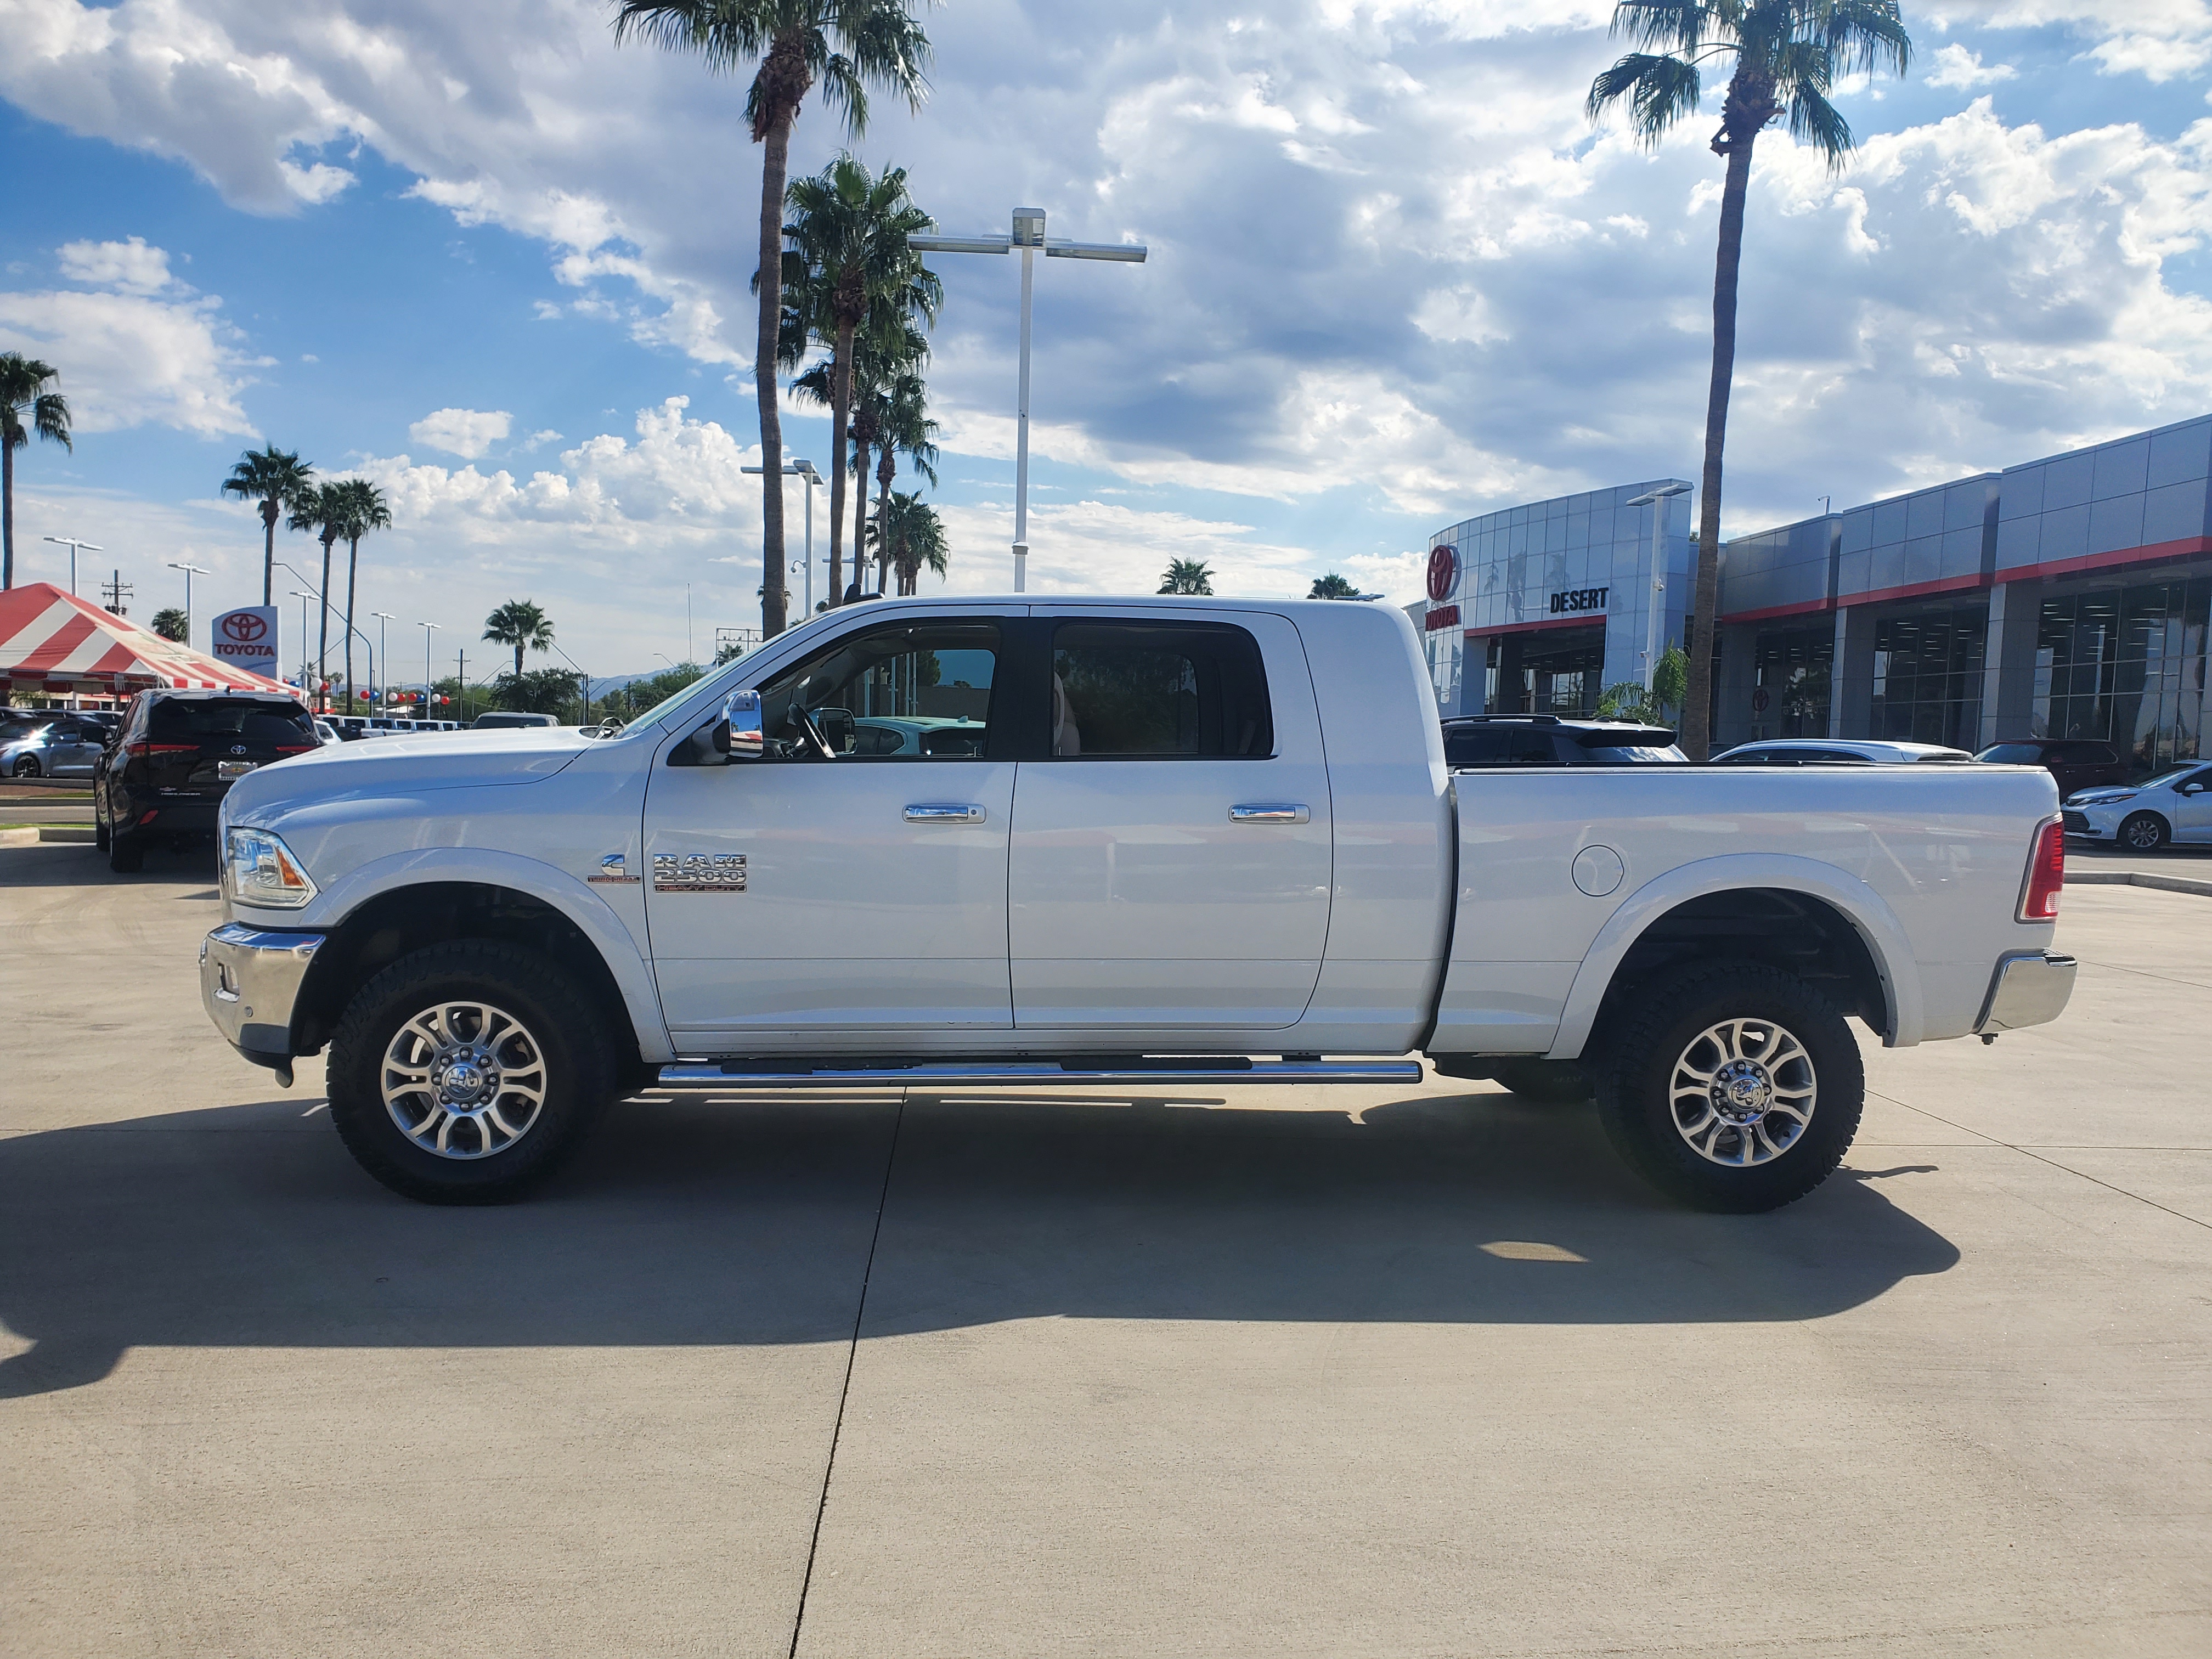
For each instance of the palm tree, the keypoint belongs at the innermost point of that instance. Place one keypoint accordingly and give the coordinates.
(276, 478)
(849, 264)
(322, 510)
(364, 509)
(903, 428)
(847, 46)
(1331, 587)
(519, 623)
(911, 536)
(172, 624)
(1187, 576)
(1789, 54)
(23, 383)
(887, 345)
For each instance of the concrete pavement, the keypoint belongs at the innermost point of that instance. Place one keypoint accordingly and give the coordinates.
(1320, 1371)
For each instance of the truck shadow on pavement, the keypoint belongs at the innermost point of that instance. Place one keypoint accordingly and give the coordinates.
(694, 1223)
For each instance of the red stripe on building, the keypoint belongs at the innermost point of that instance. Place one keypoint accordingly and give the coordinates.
(1588, 619)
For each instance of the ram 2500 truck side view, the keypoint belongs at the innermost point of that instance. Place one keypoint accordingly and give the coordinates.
(1159, 841)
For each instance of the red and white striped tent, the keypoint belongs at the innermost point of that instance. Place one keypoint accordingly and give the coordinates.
(53, 641)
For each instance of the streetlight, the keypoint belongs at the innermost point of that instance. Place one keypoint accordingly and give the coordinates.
(1656, 500)
(580, 668)
(306, 690)
(804, 469)
(75, 547)
(428, 629)
(190, 570)
(385, 619)
(1029, 236)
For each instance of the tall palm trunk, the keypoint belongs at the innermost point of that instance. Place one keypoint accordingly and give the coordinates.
(841, 415)
(1698, 697)
(353, 564)
(860, 447)
(323, 648)
(774, 164)
(270, 509)
(7, 515)
(886, 470)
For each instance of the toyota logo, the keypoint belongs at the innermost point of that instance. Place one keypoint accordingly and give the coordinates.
(238, 749)
(244, 626)
(1444, 572)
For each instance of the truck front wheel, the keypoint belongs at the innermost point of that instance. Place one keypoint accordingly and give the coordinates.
(466, 1073)
(1735, 1089)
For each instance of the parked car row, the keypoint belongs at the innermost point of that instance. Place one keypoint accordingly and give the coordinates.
(42, 743)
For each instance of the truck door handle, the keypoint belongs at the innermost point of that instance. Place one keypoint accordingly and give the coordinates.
(1269, 813)
(940, 812)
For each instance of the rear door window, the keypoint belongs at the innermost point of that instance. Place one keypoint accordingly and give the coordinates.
(1159, 691)
(1503, 745)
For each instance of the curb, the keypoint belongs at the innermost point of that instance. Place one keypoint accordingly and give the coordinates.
(2138, 878)
(26, 836)
(79, 833)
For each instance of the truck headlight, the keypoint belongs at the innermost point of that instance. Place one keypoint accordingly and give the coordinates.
(263, 872)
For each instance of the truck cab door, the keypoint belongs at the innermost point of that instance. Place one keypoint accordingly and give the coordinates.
(821, 896)
(1172, 851)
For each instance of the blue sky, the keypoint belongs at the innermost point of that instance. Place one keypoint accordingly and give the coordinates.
(1396, 279)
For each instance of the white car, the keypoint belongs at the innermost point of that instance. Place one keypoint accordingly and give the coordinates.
(1837, 751)
(2174, 806)
(1179, 842)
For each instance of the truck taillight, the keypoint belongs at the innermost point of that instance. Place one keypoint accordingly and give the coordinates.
(2046, 874)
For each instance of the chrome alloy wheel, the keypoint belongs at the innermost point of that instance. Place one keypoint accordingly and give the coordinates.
(464, 1080)
(1741, 1093)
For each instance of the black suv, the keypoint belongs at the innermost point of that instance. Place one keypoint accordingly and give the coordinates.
(175, 759)
(2073, 762)
(1473, 740)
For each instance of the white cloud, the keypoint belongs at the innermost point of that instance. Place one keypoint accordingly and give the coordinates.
(467, 433)
(130, 267)
(1956, 66)
(126, 359)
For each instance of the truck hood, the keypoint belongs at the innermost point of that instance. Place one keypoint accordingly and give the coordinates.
(405, 766)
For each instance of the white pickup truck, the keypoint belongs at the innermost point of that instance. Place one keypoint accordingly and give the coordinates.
(1160, 842)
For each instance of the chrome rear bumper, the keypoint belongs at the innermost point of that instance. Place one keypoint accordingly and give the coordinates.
(249, 981)
(2026, 991)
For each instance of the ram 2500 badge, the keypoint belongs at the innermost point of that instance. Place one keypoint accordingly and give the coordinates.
(1151, 840)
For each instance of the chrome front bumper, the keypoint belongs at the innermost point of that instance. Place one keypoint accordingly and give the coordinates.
(2026, 991)
(249, 981)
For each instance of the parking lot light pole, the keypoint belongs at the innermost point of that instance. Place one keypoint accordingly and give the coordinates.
(303, 597)
(1029, 236)
(802, 470)
(383, 621)
(580, 668)
(1656, 500)
(190, 570)
(428, 629)
(75, 547)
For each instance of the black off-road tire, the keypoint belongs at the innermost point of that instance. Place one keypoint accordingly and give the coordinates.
(579, 1069)
(126, 854)
(1635, 1071)
(1545, 1082)
(2143, 832)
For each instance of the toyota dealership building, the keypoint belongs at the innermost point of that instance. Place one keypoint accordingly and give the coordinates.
(2065, 596)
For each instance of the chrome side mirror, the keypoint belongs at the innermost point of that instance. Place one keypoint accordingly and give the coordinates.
(739, 735)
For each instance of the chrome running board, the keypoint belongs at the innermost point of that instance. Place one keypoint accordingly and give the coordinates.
(713, 1076)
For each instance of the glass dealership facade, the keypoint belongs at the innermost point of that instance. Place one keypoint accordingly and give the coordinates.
(2066, 596)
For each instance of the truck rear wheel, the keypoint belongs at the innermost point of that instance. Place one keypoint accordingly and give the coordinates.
(1735, 1089)
(465, 1073)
